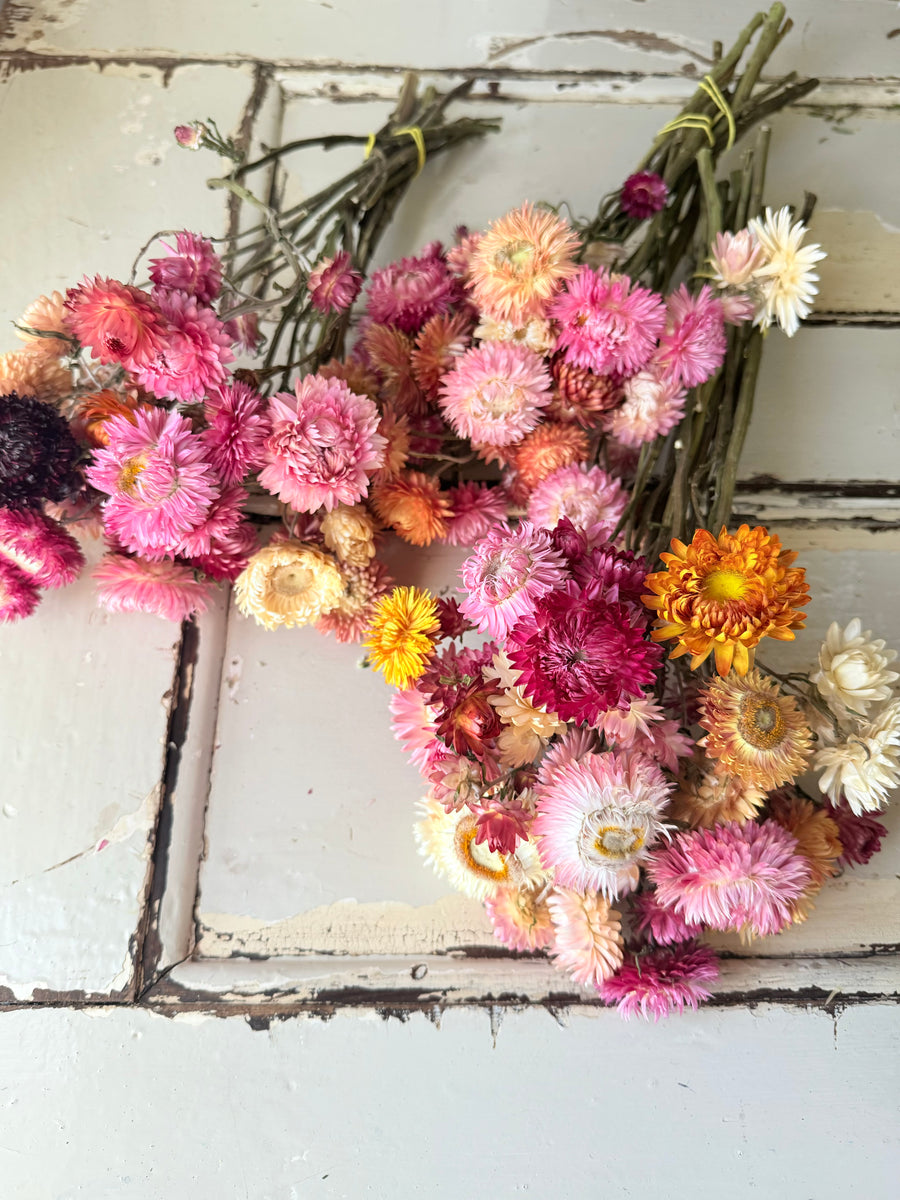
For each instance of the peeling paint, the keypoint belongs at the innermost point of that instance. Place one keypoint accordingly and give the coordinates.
(637, 39)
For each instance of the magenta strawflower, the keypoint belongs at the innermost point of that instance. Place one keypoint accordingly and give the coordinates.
(18, 595)
(607, 323)
(643, 194)
(228, 553)
(592, 500)
(617, 574)
(660, 982)
(495, 393)
(333, 283)
(191, 266)
(192, 354)
(663, 925)
(159, 482)
(652, 406)
(323, 446)
(475, 509)
(581, 655)
(238, 427)
(693, 345)
(599, 816)
(506, 574)
(407, 292)
(223, 517)
(116, 322)
(732, 876)
(860, 834)
(167, 589)
(40, 547)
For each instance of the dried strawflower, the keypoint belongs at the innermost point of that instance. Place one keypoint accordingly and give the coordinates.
(495, 392)
(414, 506)
(333, 283)
(588, 942)
(37, 453)
(166, 589)
(643, 194)
(288, 583)
(401, 635)
(660, 982)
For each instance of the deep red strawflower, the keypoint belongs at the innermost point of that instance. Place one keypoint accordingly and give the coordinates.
(569, 541)
(643, 195)
(503, 825)
(470, 721)
(860, 836)
(454, 670)
(453, 623)
(581, 654)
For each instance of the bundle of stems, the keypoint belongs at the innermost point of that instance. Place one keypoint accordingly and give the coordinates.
(687, 479)
(268, 264)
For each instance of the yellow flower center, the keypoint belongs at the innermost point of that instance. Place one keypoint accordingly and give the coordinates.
(725, 585)
(517, 254)
(612, 841)
(292, 579)
(482, 861)
(131, 468)
(761, 723)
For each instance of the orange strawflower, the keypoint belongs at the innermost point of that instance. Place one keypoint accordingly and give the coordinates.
(441, 341)
(394, 428)
(753, 731)
(97, 408)
(414, 506)
(390, 353)
(818, 841)
(726, 594)
(520, 263)
(360, 381)
(547, 448)
(31, 372)
(400, 635)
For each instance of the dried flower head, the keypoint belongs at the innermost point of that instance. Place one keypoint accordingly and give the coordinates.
(414, 506)
(288, 583)
(401, 635)
(37, 453)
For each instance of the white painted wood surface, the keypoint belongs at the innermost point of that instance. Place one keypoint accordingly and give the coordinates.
(89, 92)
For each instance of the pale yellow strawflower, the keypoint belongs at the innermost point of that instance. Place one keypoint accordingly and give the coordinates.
(529, 728)
(33, 373)
(537, 334)
(288, 583)
(350, 534)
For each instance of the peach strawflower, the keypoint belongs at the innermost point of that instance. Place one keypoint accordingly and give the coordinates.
(99, 407)
(394, 428)
(350, 534)
(495, 392)
(30, 372)
(546, 449)
(439, 344)
(726, 594)
(356, 375)
(47, 313)
(401, 634)
(704, 797)
(389, 351)
(520, 263)
(414, 506)
(118, 323)
(818, 840)
(537, 334)
(589, 944)
(753, 731)
(521, 918)
(288, 583)
(351, 617)
(579, 395)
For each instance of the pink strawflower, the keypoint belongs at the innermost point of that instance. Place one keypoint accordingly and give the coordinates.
(576, 744)
(170, 590)
(693, 345)
(457, 781)
(191, 358)
(588, 938)
(190, 136)
(351, 619)
(860, 834)
(664, 743)
(159, 483)
(407, 292)
(18, 595)
(238, 427)
(607, 323)
(506, 574)
(598, 816)
(581, 655)
(653, 405)
(190, 266)
(736, 258)
(323, 445)
(459, 256)
(40, 547)
(244, 332)
(736, 308)
(118, 323)
(225, 514)
(228, 553)
(625, 725)
(592, 500)
(663, 925)
(502, 825)
(732, 876)
(521, 918)
(643, 194)
(660, 982)
(617, 574)
(475, 509)
(414, 727)
(333, 283)
(495, 393)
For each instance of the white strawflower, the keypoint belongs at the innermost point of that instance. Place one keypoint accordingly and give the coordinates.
(786, 280)
(866, 766)
(853, 669)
